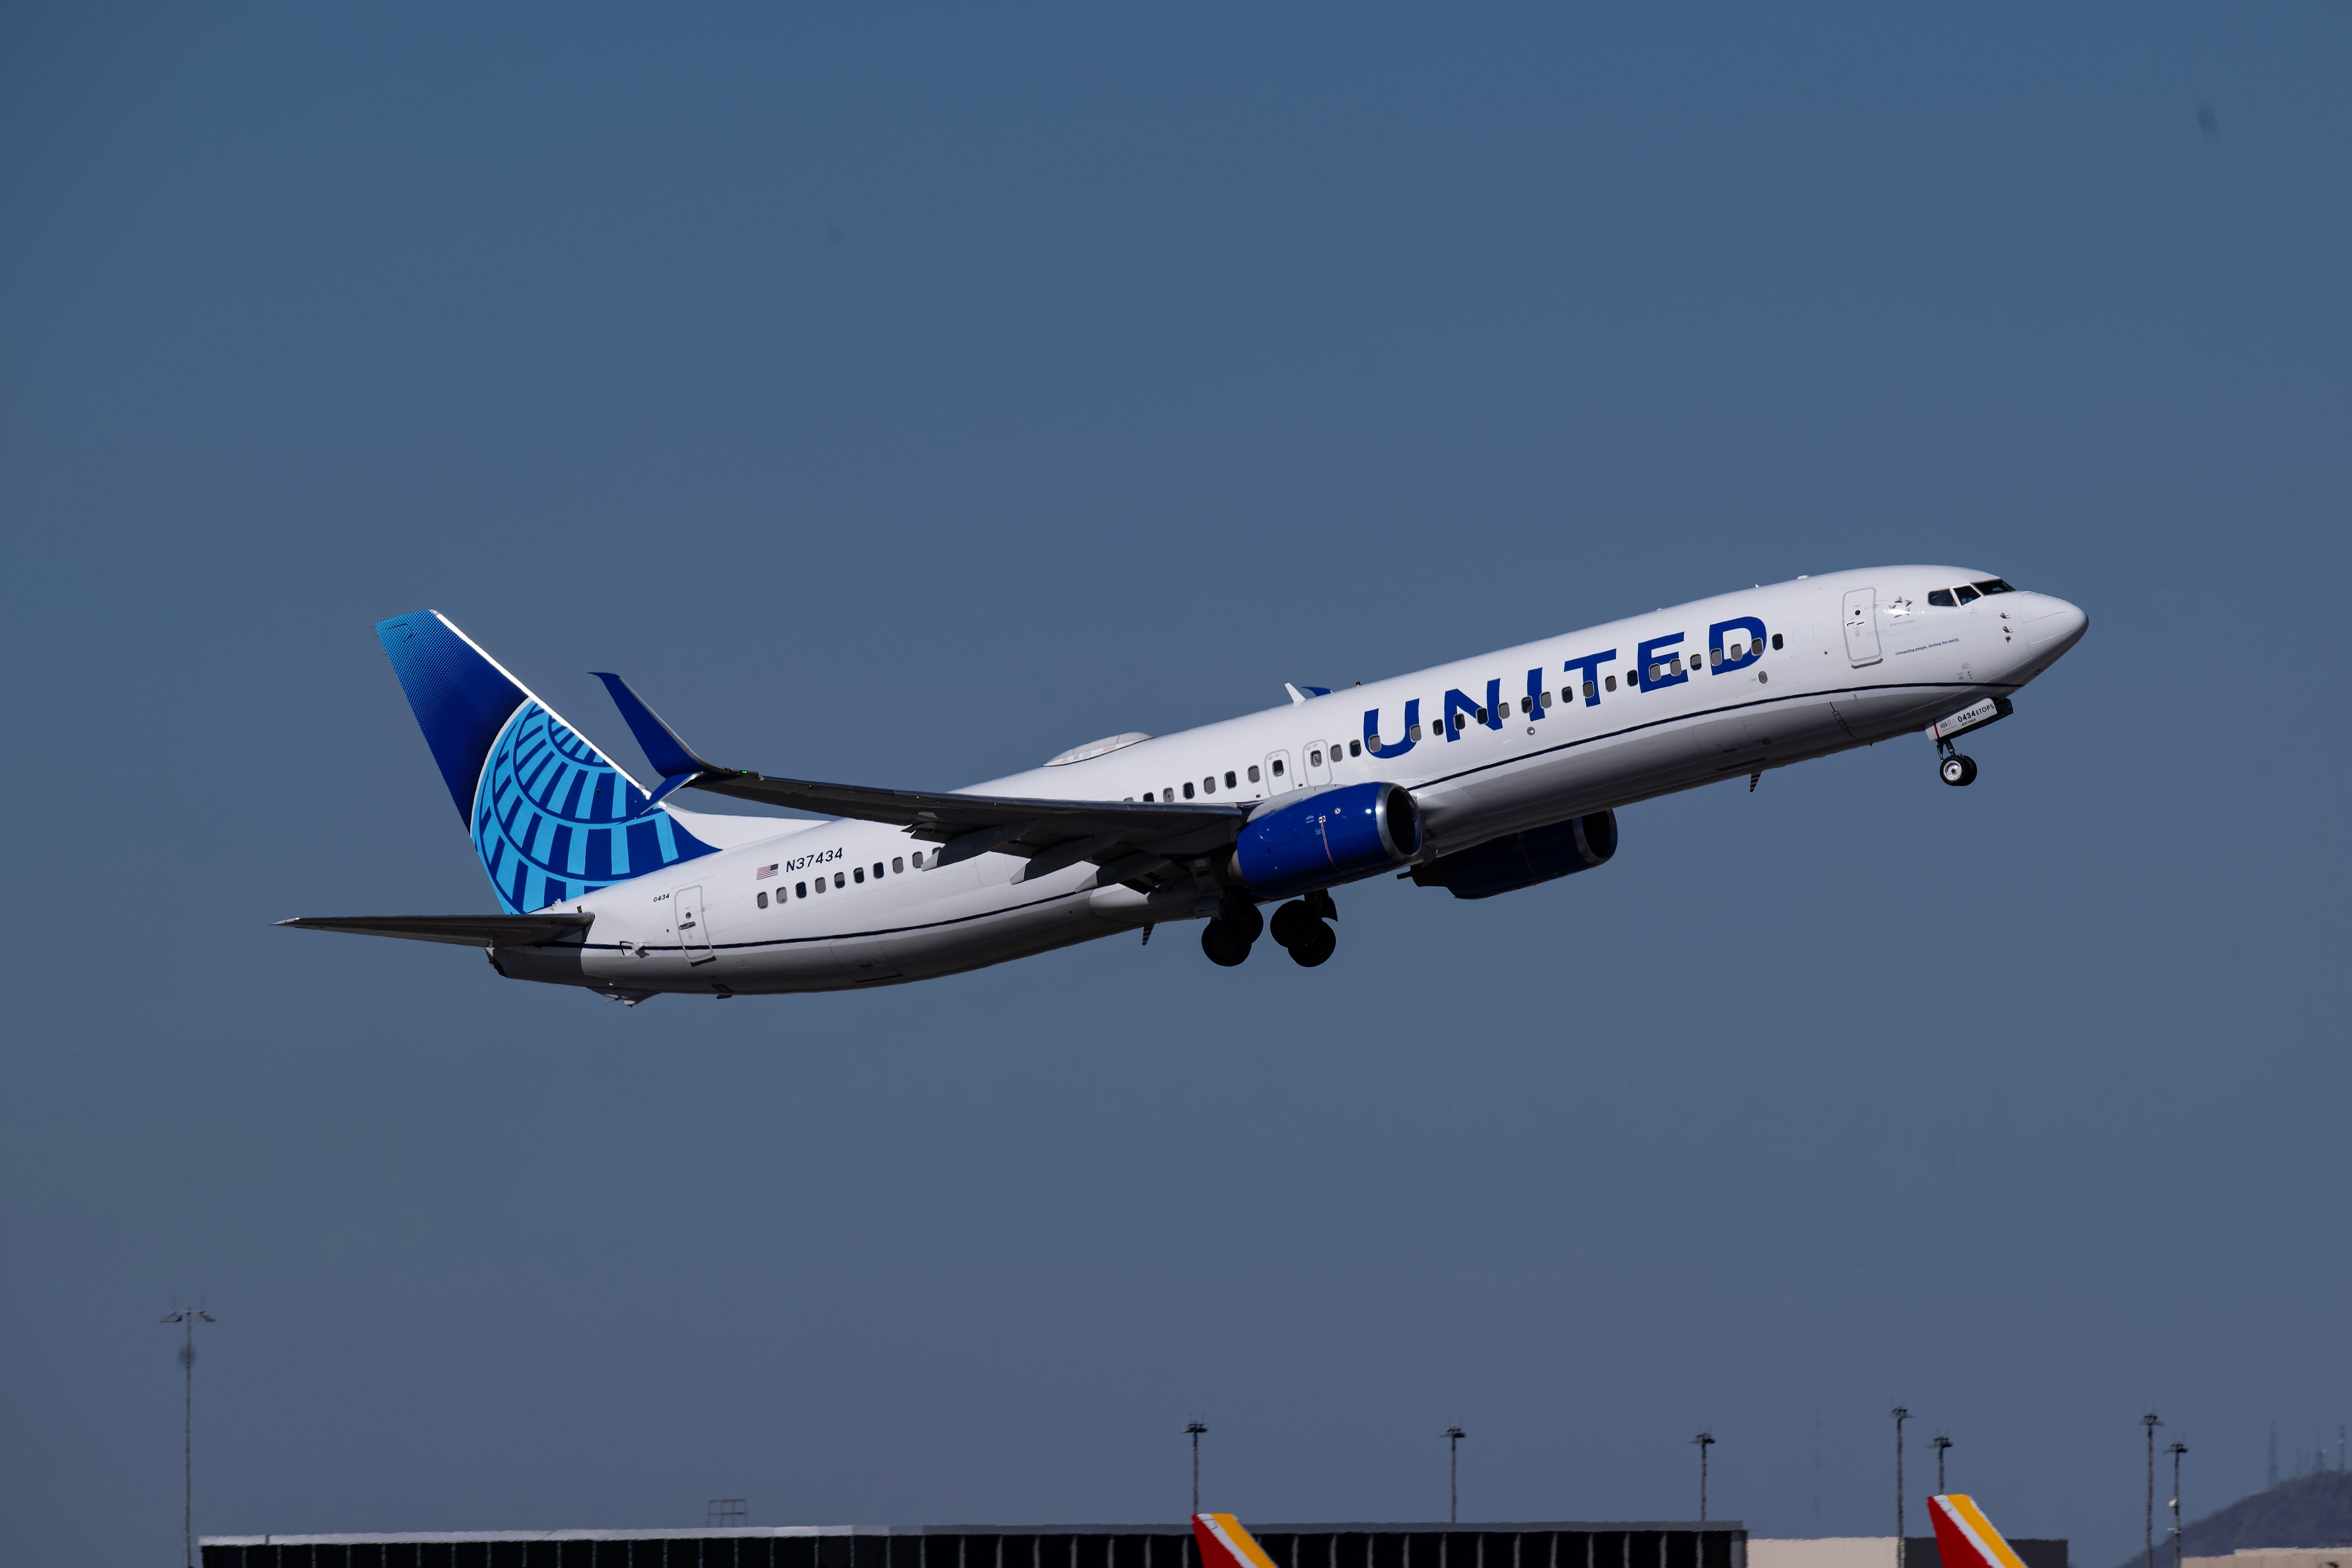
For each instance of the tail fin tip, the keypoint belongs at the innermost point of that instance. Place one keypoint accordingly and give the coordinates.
(1965, 1537)
(1225, 1544)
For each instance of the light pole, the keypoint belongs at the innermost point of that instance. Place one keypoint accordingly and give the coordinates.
(1453, 1435)
(2151, 1423)
(1901, 1416)
(1940, 1444)
(1195, 1428)
(2176, 1450)
(1704, 1440)
(190, 1317)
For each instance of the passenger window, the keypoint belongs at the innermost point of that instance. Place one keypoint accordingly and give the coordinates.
(763, 900)
(1967, 596)
(877, 870)
(1168, 794)
(1775, 642)
(1277, 767)
(1314, 759)
(918, 859)
(1612, 683)
(897, 864)
(858, 873)
(1714, 656)
(820, 884)
(1253, 772)
(1146, 797)
(1547, 699)
(1482, 715)
(1229, 777)
(1209, 784)
(1188, 792)
(837, 879)
(1942, 599)
(1675, 664)
(801, 888)
(1413, 731)
(1355, 748)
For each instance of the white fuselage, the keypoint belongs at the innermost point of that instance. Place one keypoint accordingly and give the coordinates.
(1847, 659)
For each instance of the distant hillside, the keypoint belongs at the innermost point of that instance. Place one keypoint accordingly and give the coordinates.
(2309, 1511)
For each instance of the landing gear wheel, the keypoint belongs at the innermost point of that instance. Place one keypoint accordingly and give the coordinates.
(1958, 770)
(1290, 923)
(1312, 945)
(1224, 946)
(1240, 916)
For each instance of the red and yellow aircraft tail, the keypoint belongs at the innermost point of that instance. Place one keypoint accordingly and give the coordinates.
(1225, 1544)
(1965, 1537)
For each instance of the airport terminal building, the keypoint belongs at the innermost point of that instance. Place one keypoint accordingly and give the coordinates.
(1714, 1544)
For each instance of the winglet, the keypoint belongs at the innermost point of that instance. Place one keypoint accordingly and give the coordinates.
(1225, 1544)
(1965, 1537)
(670, 756)
(1297, 696)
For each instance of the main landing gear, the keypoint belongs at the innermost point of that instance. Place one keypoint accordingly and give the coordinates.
(1955, 769)
(1227, 938)
(1297, 926)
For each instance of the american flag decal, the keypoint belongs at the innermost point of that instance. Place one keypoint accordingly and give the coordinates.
(765, 872)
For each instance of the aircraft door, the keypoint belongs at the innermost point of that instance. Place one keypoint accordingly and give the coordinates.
(1861, 626)
(1319, 767)
(1277, 773)
(688, 918)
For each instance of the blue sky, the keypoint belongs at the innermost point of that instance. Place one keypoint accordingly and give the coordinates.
(905, 396)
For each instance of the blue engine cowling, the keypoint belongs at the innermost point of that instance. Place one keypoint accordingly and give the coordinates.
(1332, 835)
(1523, 859)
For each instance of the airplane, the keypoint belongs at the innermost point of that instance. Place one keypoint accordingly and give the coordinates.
(1223, 1542)
(1481, 777)
(1965, 1537)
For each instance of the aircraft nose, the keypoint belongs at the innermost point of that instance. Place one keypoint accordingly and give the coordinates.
(2058, 626)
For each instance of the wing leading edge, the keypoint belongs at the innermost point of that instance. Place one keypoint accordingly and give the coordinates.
(1129, 840)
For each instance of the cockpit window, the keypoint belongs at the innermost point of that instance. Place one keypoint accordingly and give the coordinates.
(1994, 585)
(1965, 594)
(1942, 599)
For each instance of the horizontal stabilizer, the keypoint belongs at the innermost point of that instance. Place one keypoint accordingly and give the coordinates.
(463, 931)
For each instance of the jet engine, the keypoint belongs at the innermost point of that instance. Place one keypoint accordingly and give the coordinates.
(1330, 837)
(1523, 859)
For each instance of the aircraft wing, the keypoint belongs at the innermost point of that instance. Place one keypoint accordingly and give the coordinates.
(1129, 839)
(463, 931)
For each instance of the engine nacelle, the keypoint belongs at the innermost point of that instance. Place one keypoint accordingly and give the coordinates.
(1523, 859)
(1330, 837)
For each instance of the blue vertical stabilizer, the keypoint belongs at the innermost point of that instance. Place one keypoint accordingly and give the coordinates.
(551, 816)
